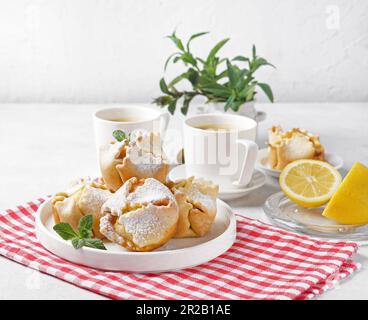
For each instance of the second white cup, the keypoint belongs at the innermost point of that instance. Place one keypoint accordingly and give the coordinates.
(220, 147)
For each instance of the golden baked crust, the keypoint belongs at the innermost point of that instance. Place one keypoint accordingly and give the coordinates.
(197, 206)
(65, 208)
(141, 216)
(84, 198)
(142, 157)
(285, 147)
(110, 156)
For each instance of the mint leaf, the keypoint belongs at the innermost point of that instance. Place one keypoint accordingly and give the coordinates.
(254, 53)
(193, 77)
(218, 90)
(229, 103)
(119, 135)
(94, 243)
(236, 105)
(267, 90)
(232, 74)
(85, 226)
(250, 92)
(185, 107)
(177, 41)
(176, 80)
(172, 106)
(78, 243)
(216, 49)
(162, 101)
(196, 35)
(241, 58)
(186, 57)
(65, 231)
(163, 86)
(169, 58)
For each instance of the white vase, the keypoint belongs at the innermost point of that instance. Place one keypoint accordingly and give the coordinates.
(247, 110)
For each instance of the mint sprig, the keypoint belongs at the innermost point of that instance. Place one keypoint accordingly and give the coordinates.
(85, 227)
(119, 135)
(82, 238)
(65, 231)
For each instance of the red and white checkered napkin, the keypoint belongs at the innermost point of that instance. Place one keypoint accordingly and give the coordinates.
(264, 263)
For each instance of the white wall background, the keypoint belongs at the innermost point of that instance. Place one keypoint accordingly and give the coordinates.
(114, 51)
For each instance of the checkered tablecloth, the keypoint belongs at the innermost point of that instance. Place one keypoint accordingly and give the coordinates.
(264, 263)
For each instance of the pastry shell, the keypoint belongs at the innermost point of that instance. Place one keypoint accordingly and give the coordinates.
(84, 198)
(141, 216)
(286, 147)
(142, 157)
(197, 206)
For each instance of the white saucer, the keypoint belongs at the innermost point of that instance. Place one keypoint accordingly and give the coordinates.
(174, 255)
(230, 192)
(262, 162)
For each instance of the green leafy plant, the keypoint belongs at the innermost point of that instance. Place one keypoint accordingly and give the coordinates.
(230, 81)
(82, 238)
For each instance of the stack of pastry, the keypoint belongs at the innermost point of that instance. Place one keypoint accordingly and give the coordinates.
(287, 146)
(135, 206)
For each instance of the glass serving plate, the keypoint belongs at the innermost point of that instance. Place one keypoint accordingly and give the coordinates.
(288, 215)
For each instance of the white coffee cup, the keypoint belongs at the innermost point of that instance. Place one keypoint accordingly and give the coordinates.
(226, 157)
(106, 121)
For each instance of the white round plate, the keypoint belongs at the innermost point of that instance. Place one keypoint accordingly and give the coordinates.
(229, 192)
(262, 162)
(174, 255)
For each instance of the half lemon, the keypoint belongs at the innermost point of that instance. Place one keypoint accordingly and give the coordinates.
(309, 183)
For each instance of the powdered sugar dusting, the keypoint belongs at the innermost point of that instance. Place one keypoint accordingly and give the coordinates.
(93, 198)
(114, 149)
(201, 193)
(117, 202)
(107, 229)
(148, 225)
(145, 222)
(200, 199)
(146, 153)
(152, 190)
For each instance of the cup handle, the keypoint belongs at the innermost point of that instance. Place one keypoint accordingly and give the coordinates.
(164, 123)
(251, 151)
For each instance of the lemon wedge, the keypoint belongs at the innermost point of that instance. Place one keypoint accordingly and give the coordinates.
(309, 183)
(349, 205)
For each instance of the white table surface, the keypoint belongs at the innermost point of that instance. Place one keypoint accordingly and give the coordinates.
(43, 147)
